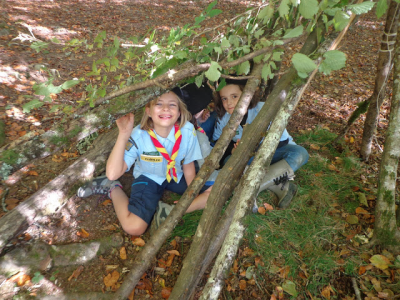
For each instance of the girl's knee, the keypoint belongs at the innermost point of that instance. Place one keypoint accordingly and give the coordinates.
(134, 229)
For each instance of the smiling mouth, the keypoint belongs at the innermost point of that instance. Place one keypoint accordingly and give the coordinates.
(165, 117)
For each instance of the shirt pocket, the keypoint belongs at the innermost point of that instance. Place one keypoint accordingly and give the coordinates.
(153, 165)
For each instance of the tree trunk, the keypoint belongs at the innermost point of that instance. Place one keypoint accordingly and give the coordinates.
(386, 232)
(385, 63)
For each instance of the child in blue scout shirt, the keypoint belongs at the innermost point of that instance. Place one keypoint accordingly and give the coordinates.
(287, 158)
(163, 147)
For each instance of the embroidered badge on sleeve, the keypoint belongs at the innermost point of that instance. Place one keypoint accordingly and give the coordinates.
(130, 144)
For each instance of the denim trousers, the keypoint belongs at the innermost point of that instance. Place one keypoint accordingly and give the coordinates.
(296, 156)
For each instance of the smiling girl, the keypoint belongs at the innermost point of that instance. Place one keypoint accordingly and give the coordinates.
(288, 156)
(163, 147)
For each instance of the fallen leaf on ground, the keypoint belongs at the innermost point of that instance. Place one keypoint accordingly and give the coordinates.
(326, 292)
(261, 210)
(76, 273)
(380, 261)
(83, 233)
(175, 252)
(122, 253)
(242, 284)
(107, 202)
(268, 207)
(20, 278)
(33, 173)
(111, 279)
(139, 242)
(165, 293)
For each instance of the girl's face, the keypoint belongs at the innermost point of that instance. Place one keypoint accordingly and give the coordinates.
(230, 95)
(165, 111)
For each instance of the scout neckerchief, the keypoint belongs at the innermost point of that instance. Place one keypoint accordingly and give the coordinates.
(171, 170)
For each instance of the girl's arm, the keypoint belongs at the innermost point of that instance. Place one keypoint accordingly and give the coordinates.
(189, 172)
(116, 166)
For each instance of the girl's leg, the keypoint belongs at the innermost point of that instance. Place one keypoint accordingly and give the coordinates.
(296, 156)
(200, 201)
(131, 223)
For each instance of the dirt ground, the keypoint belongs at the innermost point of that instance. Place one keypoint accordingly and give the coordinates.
(328, 102)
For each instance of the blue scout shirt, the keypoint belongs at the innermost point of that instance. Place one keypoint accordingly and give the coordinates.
(150, 163)
(251, 115)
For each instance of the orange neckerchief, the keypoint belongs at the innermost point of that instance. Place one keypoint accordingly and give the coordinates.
(171, 170)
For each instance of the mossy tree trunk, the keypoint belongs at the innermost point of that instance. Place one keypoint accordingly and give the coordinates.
(386, 232)
(385, 63)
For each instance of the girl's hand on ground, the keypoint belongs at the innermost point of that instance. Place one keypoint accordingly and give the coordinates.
(125, 123)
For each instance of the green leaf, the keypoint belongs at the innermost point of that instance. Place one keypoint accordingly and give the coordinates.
(290, 288)
(266, 72)
(361, 8)
(341, 20)
(180, 54)
(303, 64)
(244, 68)
(26, 108)
(55, 40)
(199, 80)
(55, 108)
(101, 92)
(352, 219)
(295, 32)
(362, 199)
(284, 8)
(198, 20)
(258, 33)
(38, 46)
(114, 62)
(225, 43)
(234, 40)
(218, 50)
(333, 60)
(213, 72)
(308, 8)
(211, 6)
(46, 90)
(69, 84)
(381, 8)
(100, 37)
(214, 12)
(276, 56)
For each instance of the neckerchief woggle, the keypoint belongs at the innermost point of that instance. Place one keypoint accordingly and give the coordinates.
(171, 170)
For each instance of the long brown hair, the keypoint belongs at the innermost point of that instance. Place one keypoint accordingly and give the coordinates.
(147, 123)
(219, 108)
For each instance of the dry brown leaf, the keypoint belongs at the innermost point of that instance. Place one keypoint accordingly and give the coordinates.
(33, 173)
(107, 202)
(235, 266)
(83, 233)
(139, 242)
(243, 273)
(247, 252)
(109, 227)
(268, 207)
(332, 167)
(326, 292)
(20, 278)
(279, 291)
(166, 292)
(261, 210)
(161, 282)
(161, 263)
(362, 270)
(111, 279)
(170, 259)
(122, 253)
(174, 243)
(76, 273)
(57, 159)
(273, 297)
(258, 261)
(11, 201)
(284, 272)
(242, 284)
(175, 252)
(315, 147)
(360, 210)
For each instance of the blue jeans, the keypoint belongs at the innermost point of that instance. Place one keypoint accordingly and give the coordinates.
(296, 156)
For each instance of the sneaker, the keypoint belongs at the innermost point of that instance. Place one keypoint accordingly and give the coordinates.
(98, 186)
(162, 212)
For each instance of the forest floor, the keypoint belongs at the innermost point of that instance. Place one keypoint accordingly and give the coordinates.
(327, 103)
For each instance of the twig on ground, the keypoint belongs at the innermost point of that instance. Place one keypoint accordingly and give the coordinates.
(377, 144)
(356, 289)
(3, 198)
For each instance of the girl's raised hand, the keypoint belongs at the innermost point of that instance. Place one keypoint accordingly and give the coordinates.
(125, 123)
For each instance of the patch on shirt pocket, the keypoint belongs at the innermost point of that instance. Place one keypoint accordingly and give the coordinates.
(151, 158)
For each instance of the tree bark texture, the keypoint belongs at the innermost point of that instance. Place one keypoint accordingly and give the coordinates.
(190, 272)
(54, 195)
(386, 232)
(384, 66)
(145, 257)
